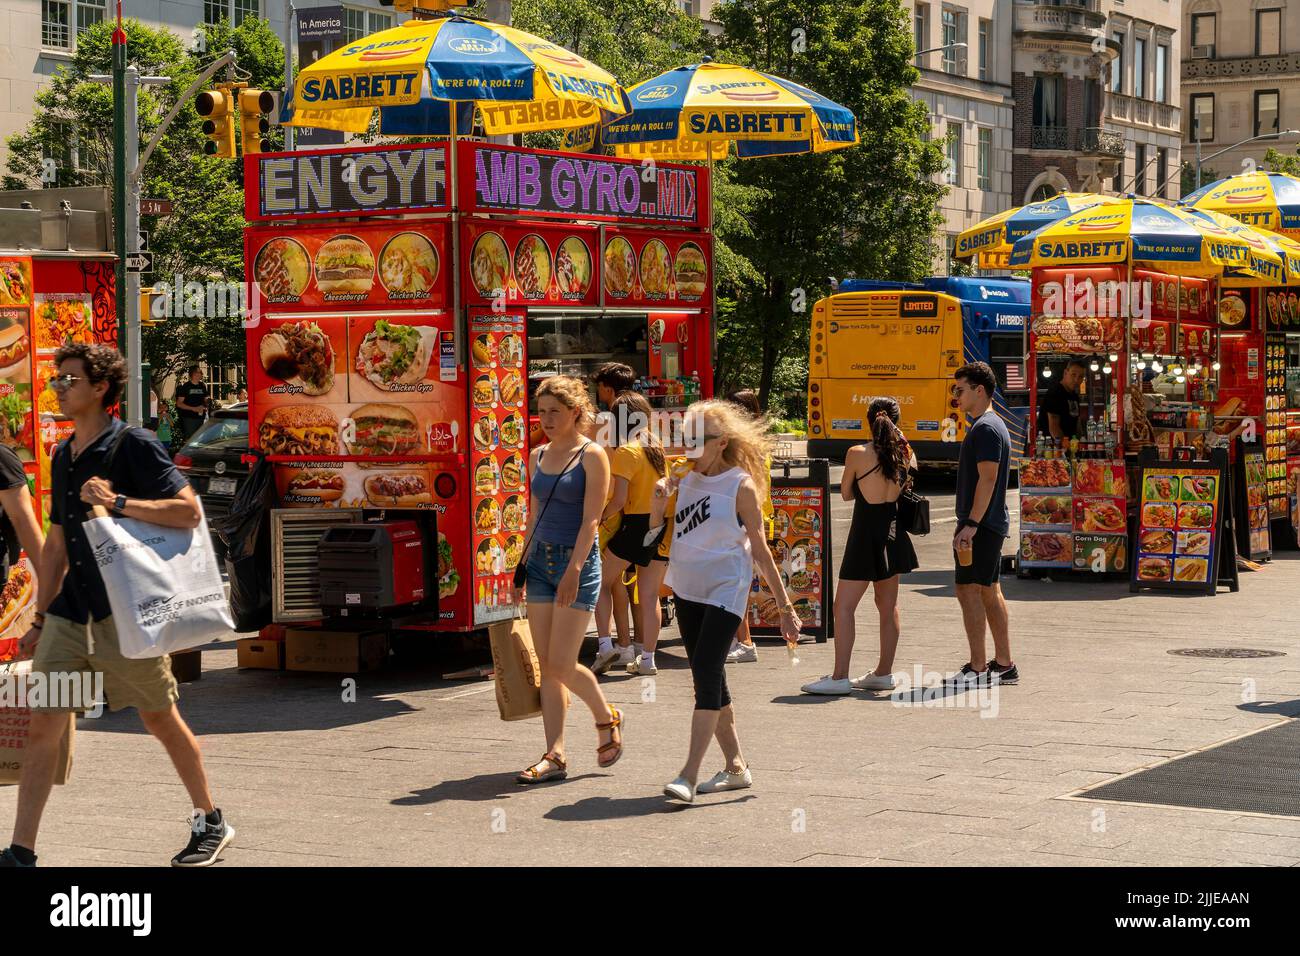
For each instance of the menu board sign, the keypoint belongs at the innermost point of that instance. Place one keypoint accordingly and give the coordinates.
(498, 459)
(1179, 526)
(801, 550)
(1171, 297)
(1275, 423)
(532, 264)
(1258, 539)
(350, 266)
(641, 268)
(346, 182)
(1282, 306)
(500, 179)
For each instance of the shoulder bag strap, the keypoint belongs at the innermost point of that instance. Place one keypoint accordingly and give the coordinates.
(547, 503)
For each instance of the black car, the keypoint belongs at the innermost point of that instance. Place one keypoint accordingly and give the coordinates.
(212, 459)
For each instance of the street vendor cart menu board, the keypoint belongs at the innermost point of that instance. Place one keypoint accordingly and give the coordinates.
(1257, 519)
(1179, 525)
(498, 460)
(799, 547)
(1072, 514)
(1275, 423)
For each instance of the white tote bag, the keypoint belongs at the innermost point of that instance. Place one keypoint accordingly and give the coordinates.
(163, 584)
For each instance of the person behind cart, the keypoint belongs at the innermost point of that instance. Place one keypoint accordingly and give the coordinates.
(877, 551)
(613, 380)
(743, 650)
(126, 471)
(192, 403)
(570, 481)
(718, 539)
(1058, 410)
(636, 462)
(983, 523)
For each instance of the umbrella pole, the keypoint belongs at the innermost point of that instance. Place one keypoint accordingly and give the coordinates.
(713, 286)
(453, 185)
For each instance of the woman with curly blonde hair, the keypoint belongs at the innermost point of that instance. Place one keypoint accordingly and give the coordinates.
(718, 539)
(569, 481)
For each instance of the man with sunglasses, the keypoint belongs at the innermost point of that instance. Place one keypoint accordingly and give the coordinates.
(128, 472)
(983, 522)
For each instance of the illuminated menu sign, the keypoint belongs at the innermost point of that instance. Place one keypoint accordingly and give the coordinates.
(348, 182)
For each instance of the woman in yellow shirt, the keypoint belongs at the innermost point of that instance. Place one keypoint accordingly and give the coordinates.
(636, 464)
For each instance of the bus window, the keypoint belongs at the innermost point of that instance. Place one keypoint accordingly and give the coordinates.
(1006, 355)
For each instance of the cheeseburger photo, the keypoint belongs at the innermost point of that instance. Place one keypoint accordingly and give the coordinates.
(345, 266)
(299, 430)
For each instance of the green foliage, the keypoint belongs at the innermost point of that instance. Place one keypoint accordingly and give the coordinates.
(1188, 177)
(1279, 162)
(203, 239)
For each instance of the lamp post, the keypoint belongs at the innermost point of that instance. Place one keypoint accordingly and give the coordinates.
(1196, 130)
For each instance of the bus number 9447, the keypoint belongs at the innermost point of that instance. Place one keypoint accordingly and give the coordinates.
(927, 330)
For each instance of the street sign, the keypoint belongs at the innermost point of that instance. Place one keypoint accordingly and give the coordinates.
(155, 207)
(144, 241)
(139, 262)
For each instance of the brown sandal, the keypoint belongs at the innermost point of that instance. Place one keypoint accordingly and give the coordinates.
(559, 770)
(614, 745)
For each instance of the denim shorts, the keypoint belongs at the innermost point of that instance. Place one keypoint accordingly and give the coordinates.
(546, 566)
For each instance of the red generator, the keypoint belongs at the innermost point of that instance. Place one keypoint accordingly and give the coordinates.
(371, 569)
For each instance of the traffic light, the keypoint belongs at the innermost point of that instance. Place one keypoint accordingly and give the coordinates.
(218, 105)
(147, 299)
(254, 105)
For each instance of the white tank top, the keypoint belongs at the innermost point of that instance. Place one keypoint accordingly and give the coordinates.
(710, 560)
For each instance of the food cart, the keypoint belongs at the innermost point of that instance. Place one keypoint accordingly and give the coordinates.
(407, 301)
(56, 286)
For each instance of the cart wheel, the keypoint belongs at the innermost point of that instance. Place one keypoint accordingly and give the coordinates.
(666, 612)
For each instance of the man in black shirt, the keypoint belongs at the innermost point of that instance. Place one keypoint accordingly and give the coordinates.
(983, 523)
(126, 471)
(1058, 410)
(192, 403)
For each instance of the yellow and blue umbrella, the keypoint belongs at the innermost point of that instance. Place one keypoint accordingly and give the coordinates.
(696, 112)
(1261, 199)
(1136, 230)
(1274, 259)
(993, 238)
(413, 73)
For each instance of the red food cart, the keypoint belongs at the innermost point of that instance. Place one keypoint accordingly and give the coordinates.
(406, 305)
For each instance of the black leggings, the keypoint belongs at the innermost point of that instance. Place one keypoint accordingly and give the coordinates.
(707, 632)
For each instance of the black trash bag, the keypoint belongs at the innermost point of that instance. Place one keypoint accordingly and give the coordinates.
(246, 532)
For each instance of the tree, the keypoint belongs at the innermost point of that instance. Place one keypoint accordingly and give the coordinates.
(870, 210)
(203, 239)
(1188, 178)
(1278, 162)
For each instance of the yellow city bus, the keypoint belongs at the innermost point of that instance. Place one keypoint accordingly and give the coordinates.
(906, 341)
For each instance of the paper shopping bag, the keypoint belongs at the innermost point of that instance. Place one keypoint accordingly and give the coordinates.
(518, 673)
(15, 724)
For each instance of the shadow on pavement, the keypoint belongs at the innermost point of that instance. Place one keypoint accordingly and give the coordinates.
(807, 698)
(493, 786)
(1285, 708)
(620, 808)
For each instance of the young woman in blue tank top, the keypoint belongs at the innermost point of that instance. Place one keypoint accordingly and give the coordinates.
(569, 482)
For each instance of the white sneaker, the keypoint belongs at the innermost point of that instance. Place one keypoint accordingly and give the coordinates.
(680, 789)
(874, 681)
(829, 686)
(604, 660)
(743, 654)
(639, 667)
(617, 658)
(726, 780)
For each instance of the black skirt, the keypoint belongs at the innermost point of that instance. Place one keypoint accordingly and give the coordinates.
(876, 549)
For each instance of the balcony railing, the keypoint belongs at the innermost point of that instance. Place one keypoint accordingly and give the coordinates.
(1050, 137)
(1133, 110)
(1071, 17)
(1101, 142)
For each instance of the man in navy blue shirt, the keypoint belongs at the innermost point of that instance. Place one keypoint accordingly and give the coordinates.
(128, 472)
(982, 526)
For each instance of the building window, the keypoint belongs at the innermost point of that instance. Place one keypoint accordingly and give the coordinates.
(1139, 67)
(1265, 112)
(985, 29)
(1117, 185)
(1092, 103)
(954, 32)
(921, 27)
(90, 12)
(985, 171)
(1162, 72)
(1049, 101)
(1140, 170)
(954, 154)
(1162, 173)
(1203, 118)
(1268, 32)
(1117, 65)
(360, 23)
(55, 17)
(1204, 26)
(236, 11)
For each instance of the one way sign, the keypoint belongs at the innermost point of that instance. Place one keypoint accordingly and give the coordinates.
(139, 262)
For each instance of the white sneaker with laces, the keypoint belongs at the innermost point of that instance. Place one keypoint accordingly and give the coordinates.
(828, 686)
(726, 780)
(743, 654)
(874, 681)
(680, 789)
(617, 659)
(639, 666)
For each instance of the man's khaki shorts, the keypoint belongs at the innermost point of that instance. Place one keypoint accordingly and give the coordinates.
(66, 647)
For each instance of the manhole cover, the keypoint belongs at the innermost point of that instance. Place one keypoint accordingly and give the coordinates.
(1225, 652)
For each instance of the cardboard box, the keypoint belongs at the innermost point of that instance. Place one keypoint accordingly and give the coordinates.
(260, 655)
(335, 652)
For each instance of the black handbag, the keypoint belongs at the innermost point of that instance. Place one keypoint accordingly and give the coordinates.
(914, 513)
(521, 569)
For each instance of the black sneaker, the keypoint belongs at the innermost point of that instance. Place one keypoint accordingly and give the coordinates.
(969, 677)
(1004, 675)
(207, 840)
(8, 860)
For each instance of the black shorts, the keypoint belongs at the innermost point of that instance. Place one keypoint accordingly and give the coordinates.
(987, 564)
(628, 541)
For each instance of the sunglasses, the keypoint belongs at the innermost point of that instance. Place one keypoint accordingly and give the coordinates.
(61, 383)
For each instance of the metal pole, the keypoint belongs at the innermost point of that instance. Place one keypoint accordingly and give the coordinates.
(119, 171)
(130, 317)
(1196, 131)
(290, 27)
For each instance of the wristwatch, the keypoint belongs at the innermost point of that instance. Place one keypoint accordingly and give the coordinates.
(968, 523)
(119, 506)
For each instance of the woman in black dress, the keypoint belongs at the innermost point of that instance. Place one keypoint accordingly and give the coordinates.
(877, 550)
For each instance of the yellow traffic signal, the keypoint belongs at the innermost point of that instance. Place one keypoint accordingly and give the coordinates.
(218, 105)
(253, 124)
(147, 299)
